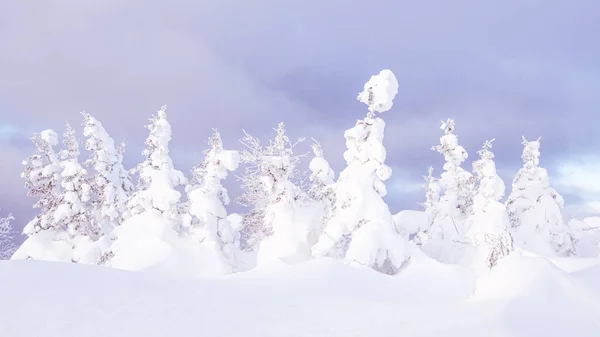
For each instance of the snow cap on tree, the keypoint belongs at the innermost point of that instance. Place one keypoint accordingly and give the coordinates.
(379, 92)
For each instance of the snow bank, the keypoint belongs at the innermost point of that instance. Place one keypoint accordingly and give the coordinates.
(320, 297)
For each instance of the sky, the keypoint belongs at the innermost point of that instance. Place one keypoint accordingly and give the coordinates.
(501, 69)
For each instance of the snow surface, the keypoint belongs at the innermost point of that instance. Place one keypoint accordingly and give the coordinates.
(321, 297)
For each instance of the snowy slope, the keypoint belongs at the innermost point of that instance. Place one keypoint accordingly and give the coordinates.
(524, 297)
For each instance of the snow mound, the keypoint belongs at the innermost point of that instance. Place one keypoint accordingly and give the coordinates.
(536, 298)
(320, 297)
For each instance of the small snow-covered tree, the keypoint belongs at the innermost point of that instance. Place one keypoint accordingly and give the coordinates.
(208, 198)
(535, 209)
(72, 210)
(7, 243)
(456, 202)
(432, 197)
(111, 183)
(322, 186)
(157, 174)
(47, 239)
(487, 227)
(359, 207)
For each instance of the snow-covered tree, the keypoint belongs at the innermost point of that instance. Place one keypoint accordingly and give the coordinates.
(267, 180)
(322, 187)
(7, 243)
(359, 207)
(280, 213)
(47, 238)
(535, 209)
(111, 183)
(157, 174)
(487, 227)
(41, 176)
(72, 210)
(149, 235)
(456, 202)
(432, 197)
(209, 222)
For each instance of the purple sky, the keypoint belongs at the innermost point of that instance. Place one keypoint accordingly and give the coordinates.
(501, 68)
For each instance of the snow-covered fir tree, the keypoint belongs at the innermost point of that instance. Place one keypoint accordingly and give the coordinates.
(7, 243)
(207, 218)
(322, 188)
(359, 207)
(72, 210)
(111, 183)
(487, 227)
(456, 202)
(146, 238)
(432, 197)
(157, 174)
(535, 209)
(47, 238)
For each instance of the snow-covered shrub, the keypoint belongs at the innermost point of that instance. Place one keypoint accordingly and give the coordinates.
(487, 227)
(535, 209)
(359, 207)
(207, 219)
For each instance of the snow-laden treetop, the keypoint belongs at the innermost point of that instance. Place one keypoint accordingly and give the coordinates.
(379, 92)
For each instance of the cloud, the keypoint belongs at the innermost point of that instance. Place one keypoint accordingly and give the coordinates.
(501, 70)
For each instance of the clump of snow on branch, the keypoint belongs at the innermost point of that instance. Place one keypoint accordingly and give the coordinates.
(379, 92)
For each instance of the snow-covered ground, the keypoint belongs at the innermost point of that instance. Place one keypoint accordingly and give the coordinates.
(522, 296)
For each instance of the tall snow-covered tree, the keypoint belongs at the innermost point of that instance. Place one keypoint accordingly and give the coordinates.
(535, 209)
(487, 227)
(47, 239)
(7, 243)
(146, 238)
(111, 183)
(209, 222)
(359, 207)
(157, 174)
(456, 202)
(72, 210)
